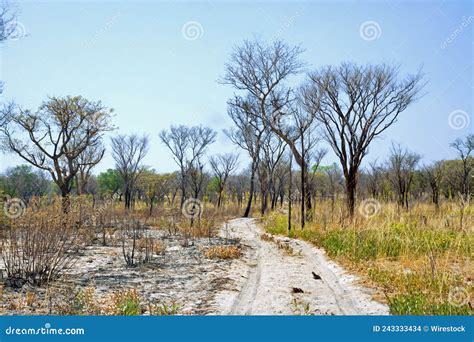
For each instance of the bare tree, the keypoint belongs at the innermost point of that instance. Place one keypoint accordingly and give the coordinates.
(261, 70)
(401, 170)
(273, 149)
(248, 135)
(196, 177)
(334, 183)
(187, 145)
(238, 185)
(222, 166)
(8, 22)
(128, 152)
(91, 156)
(374, 177)
(435, 174)
(5, 115)
(8, 30)
(281, 182)
(464, 149)
(314, 156)
(355, 104)
(55, 137)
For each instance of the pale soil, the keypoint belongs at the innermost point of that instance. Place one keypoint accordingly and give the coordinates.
(267, 274)
(261, 282)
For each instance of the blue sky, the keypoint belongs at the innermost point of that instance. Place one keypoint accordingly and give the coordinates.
(135, 58)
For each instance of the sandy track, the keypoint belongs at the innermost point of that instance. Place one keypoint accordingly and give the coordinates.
(266, 276)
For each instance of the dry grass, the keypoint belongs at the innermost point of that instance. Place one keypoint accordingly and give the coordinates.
(223, 252)
(284, 246)
(421, 259)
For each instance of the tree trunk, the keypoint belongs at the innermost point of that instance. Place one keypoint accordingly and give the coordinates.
(309, 206)
(66, 201)
(435, 197)
(264, 200)
(303, 193)
(219, 199)
(252, 187)
(351, 186)
(289, 194)
(151, 207)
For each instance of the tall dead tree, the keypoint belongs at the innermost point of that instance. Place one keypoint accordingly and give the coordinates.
(222, 166)
(187, 145)
(262, 70)
(56, 136)
(401, 170)
(8, 30)
(374, 178)
(314, 156)
(91, 156)
(281, 182)
(273, 149)
(128, 152)
(8, 22)
(355, 104)
(248, 135)
(465, 148)
(435, 174)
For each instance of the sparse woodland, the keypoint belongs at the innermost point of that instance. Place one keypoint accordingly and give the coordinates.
(404, 224)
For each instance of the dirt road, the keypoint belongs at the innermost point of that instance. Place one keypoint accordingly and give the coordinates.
(276, 278)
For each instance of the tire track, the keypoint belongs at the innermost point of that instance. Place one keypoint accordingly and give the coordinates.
(272, 274)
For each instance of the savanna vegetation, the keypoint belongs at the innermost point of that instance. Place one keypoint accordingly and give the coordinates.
(404, 224)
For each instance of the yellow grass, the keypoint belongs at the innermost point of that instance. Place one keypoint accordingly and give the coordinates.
(420, 259)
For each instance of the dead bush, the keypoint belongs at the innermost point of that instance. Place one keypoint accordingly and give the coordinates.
(39, 246)
(137, 245)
